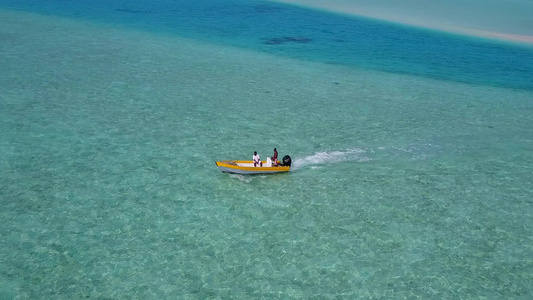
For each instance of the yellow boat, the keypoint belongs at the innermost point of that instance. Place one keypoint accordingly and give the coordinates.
(246, 167)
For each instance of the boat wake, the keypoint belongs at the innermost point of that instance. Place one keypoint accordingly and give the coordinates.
(322, 158)
(415, 151)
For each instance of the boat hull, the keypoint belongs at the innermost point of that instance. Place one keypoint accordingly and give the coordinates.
(247, 167)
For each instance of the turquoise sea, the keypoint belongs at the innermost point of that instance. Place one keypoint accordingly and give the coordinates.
(412, 155)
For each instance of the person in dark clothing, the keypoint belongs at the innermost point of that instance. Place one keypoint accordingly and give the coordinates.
(275, 157)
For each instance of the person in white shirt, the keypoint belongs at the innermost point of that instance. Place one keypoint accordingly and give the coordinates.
(257, 160)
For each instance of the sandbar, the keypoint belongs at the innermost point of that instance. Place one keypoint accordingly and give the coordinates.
(507, 20)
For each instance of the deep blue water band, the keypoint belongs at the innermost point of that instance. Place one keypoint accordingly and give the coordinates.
(312, 35)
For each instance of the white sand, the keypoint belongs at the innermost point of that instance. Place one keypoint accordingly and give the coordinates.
(510, 20)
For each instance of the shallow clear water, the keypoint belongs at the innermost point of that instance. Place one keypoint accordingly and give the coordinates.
(402, 186)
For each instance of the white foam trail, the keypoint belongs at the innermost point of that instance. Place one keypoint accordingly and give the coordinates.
(321, 158)
(416, 151)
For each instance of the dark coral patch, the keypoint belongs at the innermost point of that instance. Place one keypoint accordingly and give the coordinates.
(265, 8)
(287, 39)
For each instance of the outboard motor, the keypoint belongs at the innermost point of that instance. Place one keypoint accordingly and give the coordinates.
(286, 161)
